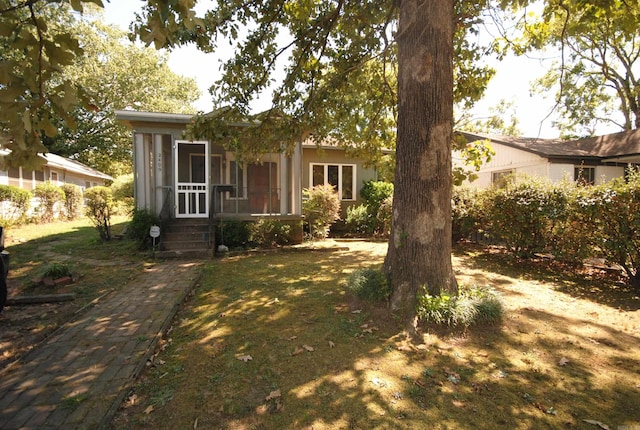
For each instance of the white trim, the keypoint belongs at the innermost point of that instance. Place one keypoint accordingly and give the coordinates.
(340, 181)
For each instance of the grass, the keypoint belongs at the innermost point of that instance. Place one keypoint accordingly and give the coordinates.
(275, 341)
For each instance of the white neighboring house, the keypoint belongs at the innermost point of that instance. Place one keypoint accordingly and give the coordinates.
(57, 170)
(593, 160)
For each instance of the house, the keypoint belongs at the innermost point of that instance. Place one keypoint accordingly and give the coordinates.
(593, 160)
(57, 170)
(181, 179)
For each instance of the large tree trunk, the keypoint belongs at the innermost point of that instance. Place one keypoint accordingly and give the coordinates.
(419, 252)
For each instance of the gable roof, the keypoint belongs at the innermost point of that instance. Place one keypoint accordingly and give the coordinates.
(66, 164)
(610, 147)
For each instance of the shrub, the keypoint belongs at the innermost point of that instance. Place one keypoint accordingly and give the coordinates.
(140, 225)
(613, 213)
(49, 195)
(72, 200)
(369, 284)
(470, 307)
(232, 233)
(99, 207)
(464, 213)
(384, 217)
(321, 208)
(525, 215)
(122, 190)
(359, 221)
(269, 233)
(375, 193)
(18, 198)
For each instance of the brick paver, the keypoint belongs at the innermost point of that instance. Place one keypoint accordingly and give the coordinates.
(79, 376)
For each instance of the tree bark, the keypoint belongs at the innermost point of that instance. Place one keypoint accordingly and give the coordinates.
(419, 254)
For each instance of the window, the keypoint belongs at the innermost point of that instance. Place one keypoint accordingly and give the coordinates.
(238, 178)
(502, 178)
(584, 175)
(54, 177)
(341, 176)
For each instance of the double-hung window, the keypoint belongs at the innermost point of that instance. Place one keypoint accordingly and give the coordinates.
(238, 178)
(341, 176)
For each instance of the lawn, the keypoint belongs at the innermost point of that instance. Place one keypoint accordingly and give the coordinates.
(274, 341)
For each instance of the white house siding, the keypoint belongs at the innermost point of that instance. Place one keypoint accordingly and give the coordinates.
(607, 173)
(507, 159)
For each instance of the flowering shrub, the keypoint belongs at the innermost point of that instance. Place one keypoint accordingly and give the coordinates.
(321, 208)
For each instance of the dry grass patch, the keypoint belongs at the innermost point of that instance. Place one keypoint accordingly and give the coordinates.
(273, 341)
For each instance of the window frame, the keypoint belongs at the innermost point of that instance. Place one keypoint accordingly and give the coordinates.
(242, 194)
(340, 187)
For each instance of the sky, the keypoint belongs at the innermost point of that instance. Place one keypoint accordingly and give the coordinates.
(511, 83)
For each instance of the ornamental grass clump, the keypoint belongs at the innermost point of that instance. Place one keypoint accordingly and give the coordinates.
(469, 307)
(369, 284)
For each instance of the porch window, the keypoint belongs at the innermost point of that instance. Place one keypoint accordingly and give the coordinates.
(584, 175)
(341, 176)
(238, 178)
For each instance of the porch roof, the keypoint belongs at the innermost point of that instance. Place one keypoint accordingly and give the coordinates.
(130, 116)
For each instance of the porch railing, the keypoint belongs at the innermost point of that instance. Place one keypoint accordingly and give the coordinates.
(265, 201)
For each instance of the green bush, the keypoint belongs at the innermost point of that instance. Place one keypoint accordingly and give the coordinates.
(359, 221)
(269, 233)
(122, 190)
(72, 200)
(464, 212)
(321, 208)
(99, 207)
(232, 233)
(140, 225)
(49, 195)
(369, 284)
(375, 193)
(20, 201)
(612, 211)
(471, 306)
(525, 215)
(384, 217)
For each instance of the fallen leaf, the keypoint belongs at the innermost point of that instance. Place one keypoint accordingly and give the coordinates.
(148, 410)
(273, 395)
(297, 351)
(308, 348)
(195, 424)
(332, 345)
(357, 311)
(597, 423)
(293, 337)
(563, 361)
(245, 358)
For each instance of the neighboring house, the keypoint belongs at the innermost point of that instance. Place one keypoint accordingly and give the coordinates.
(177, 178)
(592, 160)
(57, 170)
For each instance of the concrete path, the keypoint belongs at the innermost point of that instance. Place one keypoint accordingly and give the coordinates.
(79, 376)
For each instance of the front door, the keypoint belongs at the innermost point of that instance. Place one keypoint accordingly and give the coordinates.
(192, 171)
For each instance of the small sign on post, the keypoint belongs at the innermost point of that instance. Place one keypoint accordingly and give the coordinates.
(154, 232)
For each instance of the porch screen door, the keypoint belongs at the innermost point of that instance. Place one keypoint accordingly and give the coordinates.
(192, 186)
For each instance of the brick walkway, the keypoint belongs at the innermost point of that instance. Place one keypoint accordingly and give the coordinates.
(78, 377)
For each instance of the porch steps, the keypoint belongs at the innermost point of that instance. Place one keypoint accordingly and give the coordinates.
(185, 238)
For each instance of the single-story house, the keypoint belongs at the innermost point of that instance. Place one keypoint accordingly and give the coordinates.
(181, 179)
(593, 160)
(57, 170)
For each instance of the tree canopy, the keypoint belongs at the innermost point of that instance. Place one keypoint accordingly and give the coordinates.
(62, 75)
(597, 76)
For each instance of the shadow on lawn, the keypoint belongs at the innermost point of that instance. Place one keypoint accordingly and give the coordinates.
(599, 285)
(274, 341)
